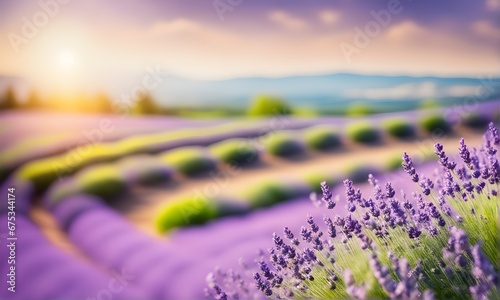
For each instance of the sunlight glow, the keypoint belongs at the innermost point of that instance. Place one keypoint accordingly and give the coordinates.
(66, 60)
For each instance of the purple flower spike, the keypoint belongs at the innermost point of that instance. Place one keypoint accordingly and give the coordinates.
(443, 158)
(494, 134)
(484, 273)
(327, 195)
(464, 152)
(409, 168)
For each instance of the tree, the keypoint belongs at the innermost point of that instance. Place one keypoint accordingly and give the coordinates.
(104, 103)
(268, 106)
(146, 105)
(9, 100)
(33, 101)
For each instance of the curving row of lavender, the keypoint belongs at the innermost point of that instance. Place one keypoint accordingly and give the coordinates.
(21, 127)
(169, 269)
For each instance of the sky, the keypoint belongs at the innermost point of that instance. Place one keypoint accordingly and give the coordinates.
(97, 41)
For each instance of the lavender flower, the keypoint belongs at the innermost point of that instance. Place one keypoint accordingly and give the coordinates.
(465, 196)
(409, 168)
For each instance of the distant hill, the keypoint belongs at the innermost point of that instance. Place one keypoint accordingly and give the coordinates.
(329, 91)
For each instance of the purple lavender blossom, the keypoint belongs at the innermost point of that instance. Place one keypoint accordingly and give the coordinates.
(409, 168)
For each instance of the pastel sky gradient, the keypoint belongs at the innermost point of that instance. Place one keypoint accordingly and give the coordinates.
(256, 38)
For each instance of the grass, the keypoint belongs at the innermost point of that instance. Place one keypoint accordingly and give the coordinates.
(282, 143)
(322, 137)
(434, 123)
(399, 128)
(363, 132)
(237, 152)
(189, 161)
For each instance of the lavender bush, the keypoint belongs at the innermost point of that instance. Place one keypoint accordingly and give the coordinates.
(440, 242)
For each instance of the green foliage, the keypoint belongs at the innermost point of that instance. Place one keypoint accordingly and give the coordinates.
(144, 169)
(236, 152)
(183, 212)
(9, 99)
(195, 210)
(33, 101)
(189, 160)
(476, 121)
(41, 173)
(268, 106)
(282, 143)
(363, 132)
(435, 123)
(104, 181)
(359, 109)
(146, 105)
(305, 112)
(314, 180)
(359, 173)
(322, 137)
(429, 104)
(104, 104)
(399, 128)
(268, 193)
(393, 163)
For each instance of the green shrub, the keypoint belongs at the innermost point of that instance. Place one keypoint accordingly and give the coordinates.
(358, 109)
(189, 160)
(359, 173)
(184, 212)
(104, 181)
(429, 104)
(393, 163)
(434, 123)
(282, 144)
(362, 132)
(42, 172)
(270, 193)
(196, 210)
(236, 152)
(399, 128)
(145, 169)
(268, 106)
(476, 121)
(322, 137)
(314, 180)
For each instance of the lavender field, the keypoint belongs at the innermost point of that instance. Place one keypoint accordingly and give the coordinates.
(233, 149)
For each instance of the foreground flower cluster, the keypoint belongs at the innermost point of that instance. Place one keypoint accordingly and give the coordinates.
(441, 242)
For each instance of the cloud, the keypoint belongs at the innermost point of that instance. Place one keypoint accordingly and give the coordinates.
(405, 30)
(177, 26)
(486, 29)
(287, 21)
(329, 16)
(493, 5)
(413, 91)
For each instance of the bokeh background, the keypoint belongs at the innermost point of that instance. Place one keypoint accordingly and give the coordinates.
(150, 141)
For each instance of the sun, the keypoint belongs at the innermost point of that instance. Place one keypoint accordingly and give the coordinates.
(66, 60)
